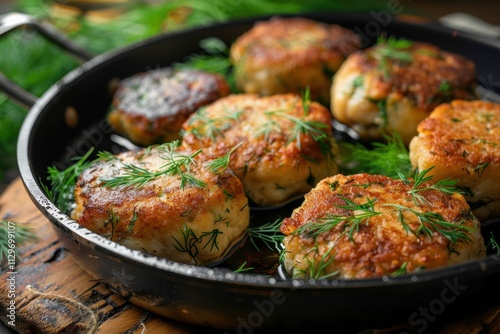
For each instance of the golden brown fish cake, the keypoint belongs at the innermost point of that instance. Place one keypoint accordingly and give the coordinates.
(286, 55)
(282, 144)
(395, 84)
(461, 141)
(150, 107)
(193, 219)
(364, 226)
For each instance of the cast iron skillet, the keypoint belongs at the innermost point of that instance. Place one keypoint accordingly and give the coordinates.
(219, 297)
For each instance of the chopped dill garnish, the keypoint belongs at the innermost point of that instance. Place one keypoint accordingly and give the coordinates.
(62, 183)
(317, 270)
(176, 163)
(220, 164)
(361, 214)
(190, 242)
(269, 233)
(479, 169)
(212, 127)
(214, 59)
(493, 243)
(433, 222)
(301, 126)
(392, 48)
(390, 159)
(446, 186)
(243, 268)
(401, 271)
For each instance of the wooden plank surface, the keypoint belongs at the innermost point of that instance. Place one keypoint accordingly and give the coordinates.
(54, 295)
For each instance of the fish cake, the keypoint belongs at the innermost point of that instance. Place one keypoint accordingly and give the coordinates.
(461, 141)
(140, 200)
(283, 144)
(366, 226)
(392, 86)
(286, 55)
(149, 107)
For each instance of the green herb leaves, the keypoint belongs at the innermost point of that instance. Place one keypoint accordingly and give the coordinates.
(215, 59)
(62, 183)
(269, 234)
(318, 131)
(190, 241)
(356, 212)
(390, 158)
(392, 49)
(446, 186)
(430, 222)
(218, 165)
(359, 213)
(176, 163)
(212, 127)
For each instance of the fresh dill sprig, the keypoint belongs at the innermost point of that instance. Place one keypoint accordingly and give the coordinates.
(317, 270)
(62, 183)
(361, 213)
(191, 242)
(430, 222)
(401, 271)
(243, 268)
(493, 243)
(390, 158)
(301, 126)
(215, 59)
(306, 100)
(269, 233)
(13, 234)
(220, 164)
(446, 186)
(211, 127)
(270, 126)
(392, 48)
(177, 164)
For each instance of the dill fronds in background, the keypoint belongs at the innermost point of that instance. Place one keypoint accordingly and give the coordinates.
(99, 26)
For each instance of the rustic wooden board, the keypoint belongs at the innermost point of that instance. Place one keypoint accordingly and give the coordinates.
(54, 295)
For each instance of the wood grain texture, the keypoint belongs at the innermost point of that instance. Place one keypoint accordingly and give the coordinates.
(54, 295)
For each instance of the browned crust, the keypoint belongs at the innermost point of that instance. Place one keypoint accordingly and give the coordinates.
(273, 165)
(278, 41)
(462, 133)
(380, 246)
(150, 215)
(421, 79)
(150, 107)
(254, 150)
(287, 55)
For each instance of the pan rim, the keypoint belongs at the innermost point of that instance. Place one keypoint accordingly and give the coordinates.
(61, 221)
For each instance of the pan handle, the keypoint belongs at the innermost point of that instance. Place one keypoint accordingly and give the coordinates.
(11, 21)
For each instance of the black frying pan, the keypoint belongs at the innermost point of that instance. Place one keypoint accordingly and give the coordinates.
(218, 297)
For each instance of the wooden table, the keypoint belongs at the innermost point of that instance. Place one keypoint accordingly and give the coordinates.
(54, 295)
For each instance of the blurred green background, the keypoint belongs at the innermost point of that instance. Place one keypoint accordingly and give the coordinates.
(101, 25)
